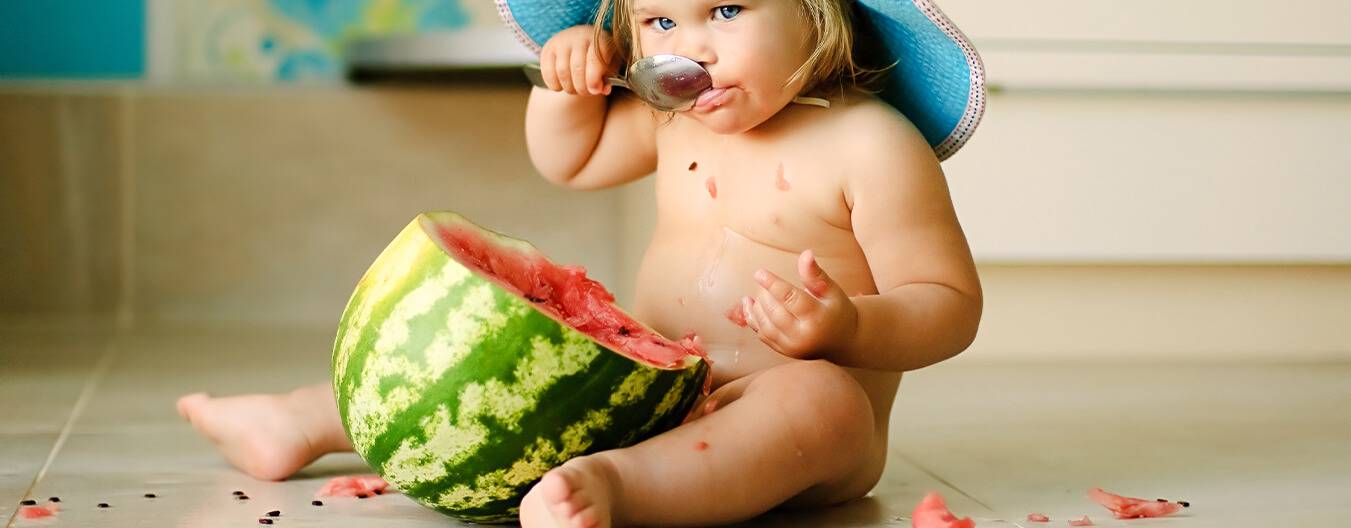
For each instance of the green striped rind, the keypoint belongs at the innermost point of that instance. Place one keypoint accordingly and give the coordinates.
(462, 394)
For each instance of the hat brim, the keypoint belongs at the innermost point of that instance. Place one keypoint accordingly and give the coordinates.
(938, 80)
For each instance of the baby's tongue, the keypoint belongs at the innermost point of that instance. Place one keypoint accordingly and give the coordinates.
(708, 95)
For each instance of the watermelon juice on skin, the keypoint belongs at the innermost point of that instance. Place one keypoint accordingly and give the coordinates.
(467, 365)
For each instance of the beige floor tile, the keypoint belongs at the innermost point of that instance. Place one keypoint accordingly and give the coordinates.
(193, 486)
(1246, 445)
(42, 375)
(23, 455)
(152, 368)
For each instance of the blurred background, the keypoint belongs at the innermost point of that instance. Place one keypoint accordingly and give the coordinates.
(1152, 179)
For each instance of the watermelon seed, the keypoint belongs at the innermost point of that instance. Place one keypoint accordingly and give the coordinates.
(1185, 504)
(361, 495)
(29, 502)
(624, 330)
(264, 521)
(243, 497)
(150, 495)
(1160, 500)
(316, 503)
(54, 499)
(274, 513)
(104, 505)
(238, 493)
(534, 299)
(379, 492)
(694, 165)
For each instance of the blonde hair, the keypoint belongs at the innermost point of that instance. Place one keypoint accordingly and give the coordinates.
(833, 66)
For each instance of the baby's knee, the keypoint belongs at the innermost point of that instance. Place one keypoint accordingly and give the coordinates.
(831, 408)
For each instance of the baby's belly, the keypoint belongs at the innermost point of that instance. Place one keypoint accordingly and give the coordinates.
(689, 284)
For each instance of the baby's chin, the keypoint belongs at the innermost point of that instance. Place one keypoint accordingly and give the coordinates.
(732, 119)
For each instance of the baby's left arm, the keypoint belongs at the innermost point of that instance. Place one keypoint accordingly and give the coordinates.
(929, 301)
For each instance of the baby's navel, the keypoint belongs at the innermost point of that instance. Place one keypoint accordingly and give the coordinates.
(779, 181)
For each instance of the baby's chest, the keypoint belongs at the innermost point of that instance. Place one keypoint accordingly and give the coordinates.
(784, 201)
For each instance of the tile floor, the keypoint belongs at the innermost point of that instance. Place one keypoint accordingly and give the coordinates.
(90, 419)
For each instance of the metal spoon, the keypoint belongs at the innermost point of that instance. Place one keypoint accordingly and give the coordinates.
(668, 83)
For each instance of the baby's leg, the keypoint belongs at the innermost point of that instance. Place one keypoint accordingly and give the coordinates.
(269, 436)
(801, 429)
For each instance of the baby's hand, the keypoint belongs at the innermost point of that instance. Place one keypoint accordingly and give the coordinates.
(571, 62)
(801, 324)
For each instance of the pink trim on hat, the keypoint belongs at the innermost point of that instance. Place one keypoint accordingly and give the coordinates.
(975, 101)
(504, 11)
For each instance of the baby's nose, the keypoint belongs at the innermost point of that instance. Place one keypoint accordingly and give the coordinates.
(696, 46)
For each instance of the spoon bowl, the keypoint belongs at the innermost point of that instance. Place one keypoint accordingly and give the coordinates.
(667, 83)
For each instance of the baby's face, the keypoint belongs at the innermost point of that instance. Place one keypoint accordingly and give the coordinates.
(750, 48)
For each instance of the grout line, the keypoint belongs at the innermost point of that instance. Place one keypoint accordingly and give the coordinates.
(945, 482)
(101, 369)
(126, 169)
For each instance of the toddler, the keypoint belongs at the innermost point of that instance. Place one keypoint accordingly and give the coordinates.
(813, 248)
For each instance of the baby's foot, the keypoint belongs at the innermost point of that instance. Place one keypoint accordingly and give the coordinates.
(574, 495)
(259, 433)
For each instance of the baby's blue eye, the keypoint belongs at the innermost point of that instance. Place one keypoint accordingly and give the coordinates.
(728, 12)
(662, 23)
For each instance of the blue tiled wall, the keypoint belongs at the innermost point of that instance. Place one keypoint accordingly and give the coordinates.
(85, 39)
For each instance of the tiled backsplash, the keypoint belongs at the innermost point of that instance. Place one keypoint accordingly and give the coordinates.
(265, 205)
(259, 205)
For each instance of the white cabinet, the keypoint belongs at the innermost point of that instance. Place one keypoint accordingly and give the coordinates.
(1153, 131)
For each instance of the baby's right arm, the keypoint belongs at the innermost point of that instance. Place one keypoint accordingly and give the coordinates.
(577, 137)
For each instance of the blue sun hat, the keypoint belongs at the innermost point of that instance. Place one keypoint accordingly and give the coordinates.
(938, 80)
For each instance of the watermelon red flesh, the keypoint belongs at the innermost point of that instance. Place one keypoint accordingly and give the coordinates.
(932, 512)
(566, 293)
(461, 392)
(1131, 508)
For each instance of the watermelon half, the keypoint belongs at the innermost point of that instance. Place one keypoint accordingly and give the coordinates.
(467, 365)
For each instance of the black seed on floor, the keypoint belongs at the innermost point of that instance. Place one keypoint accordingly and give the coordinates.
(104, 505)
(264, 521)
(243, 497)
(1185, 504)
(379, 492)
(316, 503)
(150, 495)
(237, 493)
(1161, 500)
(29, 502)
(54, 499)
(361, 495)
(274, 513)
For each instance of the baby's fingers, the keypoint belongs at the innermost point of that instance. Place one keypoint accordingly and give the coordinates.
(563, 69)
(579, 58)
(796, 302)
(596, 72)
(547, 68)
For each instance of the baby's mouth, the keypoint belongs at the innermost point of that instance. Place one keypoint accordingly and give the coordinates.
(711, 97)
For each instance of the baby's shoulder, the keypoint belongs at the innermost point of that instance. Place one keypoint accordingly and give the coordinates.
(878, 147)
(866, 126)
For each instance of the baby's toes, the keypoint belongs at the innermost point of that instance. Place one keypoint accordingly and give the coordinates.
(188, 404)
(586, 518)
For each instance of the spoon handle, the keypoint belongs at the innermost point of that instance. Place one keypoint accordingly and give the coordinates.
(532, 72)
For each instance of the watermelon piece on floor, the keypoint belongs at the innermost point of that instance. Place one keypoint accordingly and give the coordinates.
(1037, 517)
(1082, 521)
(1130, 507)
(467, 365)
(932, 512)
(352, 486)
(37, 512)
